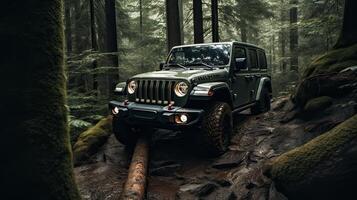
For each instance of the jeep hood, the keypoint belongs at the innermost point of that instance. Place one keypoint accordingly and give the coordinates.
(197, 75)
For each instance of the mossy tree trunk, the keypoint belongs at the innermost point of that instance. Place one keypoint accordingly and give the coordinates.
(37, 160)
(324, 168)
(348, 34)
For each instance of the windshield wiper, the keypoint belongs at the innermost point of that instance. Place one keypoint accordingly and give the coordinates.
(201, 63)
(175, 65)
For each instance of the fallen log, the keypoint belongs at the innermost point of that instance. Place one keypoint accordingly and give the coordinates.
(135, 185)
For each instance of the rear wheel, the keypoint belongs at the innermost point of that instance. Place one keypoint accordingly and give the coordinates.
(263, 104)
(216, 128)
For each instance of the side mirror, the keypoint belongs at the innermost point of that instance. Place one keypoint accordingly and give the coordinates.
(120, 89)
(240, 63)
(162, 65)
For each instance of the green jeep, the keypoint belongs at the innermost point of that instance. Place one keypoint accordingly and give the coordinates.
(196, 90)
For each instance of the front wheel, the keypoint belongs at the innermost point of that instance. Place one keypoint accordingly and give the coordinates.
(217, 128)
(124, 133)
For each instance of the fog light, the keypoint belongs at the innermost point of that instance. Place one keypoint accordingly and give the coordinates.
(115, 111)
(184, 118)
(181, 119)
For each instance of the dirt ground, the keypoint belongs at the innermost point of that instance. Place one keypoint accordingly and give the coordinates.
(178, 171)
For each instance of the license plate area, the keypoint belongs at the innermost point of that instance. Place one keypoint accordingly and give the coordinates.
(144, 114)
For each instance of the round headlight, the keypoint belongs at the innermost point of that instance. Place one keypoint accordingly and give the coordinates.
(132, 87)
(181, 89)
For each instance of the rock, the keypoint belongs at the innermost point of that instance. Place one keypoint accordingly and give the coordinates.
(90, 141)
(274, 194)
(323, 85)
(229, 160)
(167, 170)
(318, 104)
(289, 116)
(199, 190)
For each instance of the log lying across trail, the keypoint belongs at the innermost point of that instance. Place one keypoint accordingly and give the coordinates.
(135, 185)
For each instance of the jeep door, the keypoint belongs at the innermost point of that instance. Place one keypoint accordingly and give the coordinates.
(239, 81)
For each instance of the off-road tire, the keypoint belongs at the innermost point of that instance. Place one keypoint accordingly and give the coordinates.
(124, 133)
(263, 104)
(216, 129)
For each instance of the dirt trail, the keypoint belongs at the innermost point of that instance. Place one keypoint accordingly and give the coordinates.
(177, 171)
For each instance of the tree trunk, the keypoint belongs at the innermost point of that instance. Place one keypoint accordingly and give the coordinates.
(77, 30)
(198, 21)
(282, 39)
(243, 30)
(180, 2)
(93, 26)
(68, 26)
(141, 35)
(324, 168)
(294, 36)
(173, 24)
(112, 43)
(37, 160)
(348, 34)
(215, 24)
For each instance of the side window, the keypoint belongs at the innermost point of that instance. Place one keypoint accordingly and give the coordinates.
(240, 52)
(262, 60)
(253, 59)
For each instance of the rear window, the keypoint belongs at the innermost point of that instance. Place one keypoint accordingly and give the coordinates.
(253, 59)
(262, 60)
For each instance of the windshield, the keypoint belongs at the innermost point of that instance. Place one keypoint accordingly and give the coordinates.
(214, 55)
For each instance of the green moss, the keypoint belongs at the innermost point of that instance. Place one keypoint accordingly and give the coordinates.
(332, 62)
(91, 140)
(37, 162)
(294, 166)
(318, 104)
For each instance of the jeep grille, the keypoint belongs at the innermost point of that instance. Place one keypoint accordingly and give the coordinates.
(155, 92)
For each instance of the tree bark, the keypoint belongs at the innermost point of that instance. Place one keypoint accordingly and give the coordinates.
(77, 30)
(282, 39)
(198, 21)
(112, 43)
(243, 30)
(348, 34)
(173, 24)
(68, 26)
(294, 36)
(215, 24)
(37, 160)
(93, 26)
(141, 35)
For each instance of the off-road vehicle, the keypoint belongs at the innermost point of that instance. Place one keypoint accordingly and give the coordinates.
(196, 90)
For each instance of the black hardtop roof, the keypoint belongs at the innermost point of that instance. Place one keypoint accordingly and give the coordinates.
(234, 42)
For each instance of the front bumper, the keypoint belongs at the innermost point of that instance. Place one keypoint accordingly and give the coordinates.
(155, 116)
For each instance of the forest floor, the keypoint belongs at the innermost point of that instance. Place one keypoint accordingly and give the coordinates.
(177, 171)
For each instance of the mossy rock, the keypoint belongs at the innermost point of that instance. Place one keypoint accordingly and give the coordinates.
(325, 164)
(91, 140)
(332, 62)
(318, 104)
